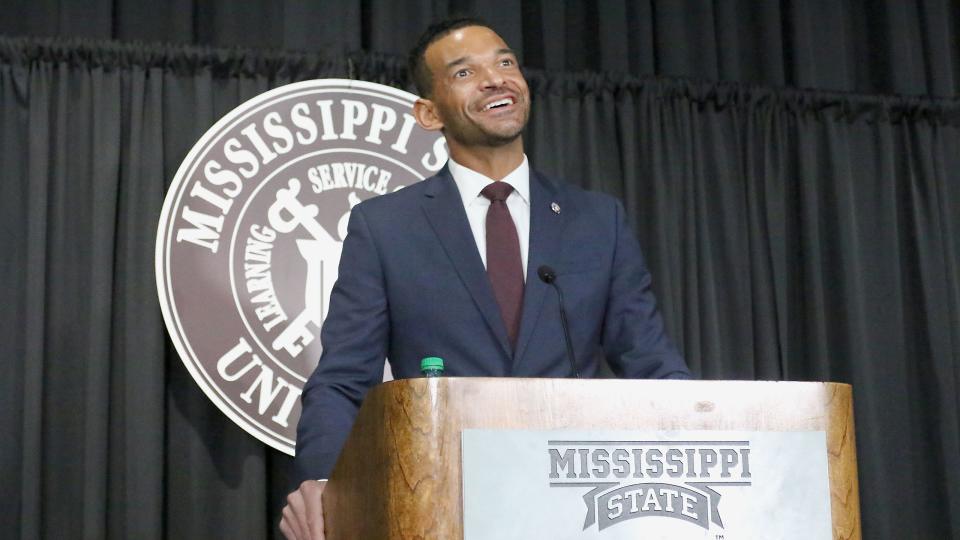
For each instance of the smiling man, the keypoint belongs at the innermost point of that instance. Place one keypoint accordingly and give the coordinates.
(449, 266)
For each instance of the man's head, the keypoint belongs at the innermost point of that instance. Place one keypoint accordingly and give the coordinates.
(471, 85)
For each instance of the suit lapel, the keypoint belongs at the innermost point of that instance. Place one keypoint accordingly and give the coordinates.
(444, 209)
(546, 229)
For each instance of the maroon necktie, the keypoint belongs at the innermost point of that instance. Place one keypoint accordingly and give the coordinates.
(503, 258)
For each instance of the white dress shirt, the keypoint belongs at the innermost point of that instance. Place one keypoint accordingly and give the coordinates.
(471, 183)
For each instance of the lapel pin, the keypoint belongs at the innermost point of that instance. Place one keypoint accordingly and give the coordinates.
(555, 207)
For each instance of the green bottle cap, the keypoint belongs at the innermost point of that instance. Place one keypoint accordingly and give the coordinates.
(431, 363)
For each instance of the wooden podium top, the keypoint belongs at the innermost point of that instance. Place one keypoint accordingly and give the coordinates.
(399, 473)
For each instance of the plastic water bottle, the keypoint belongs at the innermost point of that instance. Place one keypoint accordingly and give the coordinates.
(431, 366)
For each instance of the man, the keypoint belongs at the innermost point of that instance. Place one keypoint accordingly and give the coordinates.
(448, 267)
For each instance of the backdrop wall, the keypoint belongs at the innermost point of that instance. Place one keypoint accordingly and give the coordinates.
(792, 234)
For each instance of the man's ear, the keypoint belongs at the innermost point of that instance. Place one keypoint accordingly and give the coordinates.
(425, 112)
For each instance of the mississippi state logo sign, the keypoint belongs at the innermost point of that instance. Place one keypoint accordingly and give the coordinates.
(249, 239)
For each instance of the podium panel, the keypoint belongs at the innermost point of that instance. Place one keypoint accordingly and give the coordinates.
(400, 474)
(624, 485)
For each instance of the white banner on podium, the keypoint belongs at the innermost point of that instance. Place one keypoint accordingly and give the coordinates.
(613, 485)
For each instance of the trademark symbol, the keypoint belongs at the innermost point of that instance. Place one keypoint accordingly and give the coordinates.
(719, 537)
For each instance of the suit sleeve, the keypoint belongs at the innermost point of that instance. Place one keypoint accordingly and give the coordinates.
(355, 342)
(634, 340)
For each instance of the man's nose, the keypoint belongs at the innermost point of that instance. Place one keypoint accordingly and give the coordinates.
(492, 78)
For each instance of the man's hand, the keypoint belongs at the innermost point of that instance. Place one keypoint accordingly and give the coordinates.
(303, 514)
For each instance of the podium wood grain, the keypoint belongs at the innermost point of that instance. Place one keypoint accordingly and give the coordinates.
(398, 476)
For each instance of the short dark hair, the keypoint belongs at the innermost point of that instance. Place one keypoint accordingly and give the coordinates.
(417, 68)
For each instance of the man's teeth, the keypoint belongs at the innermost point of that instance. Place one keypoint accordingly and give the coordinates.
(498, 103)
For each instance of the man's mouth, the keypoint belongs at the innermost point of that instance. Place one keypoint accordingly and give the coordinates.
(498, 104)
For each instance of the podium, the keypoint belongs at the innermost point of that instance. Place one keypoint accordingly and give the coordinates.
(399, 474)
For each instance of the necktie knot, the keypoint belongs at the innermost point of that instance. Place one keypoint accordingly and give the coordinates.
(497, 191)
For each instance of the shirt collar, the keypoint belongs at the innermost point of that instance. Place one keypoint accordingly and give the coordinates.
(471, 183)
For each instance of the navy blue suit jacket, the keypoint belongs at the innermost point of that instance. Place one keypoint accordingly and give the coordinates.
(411, 284)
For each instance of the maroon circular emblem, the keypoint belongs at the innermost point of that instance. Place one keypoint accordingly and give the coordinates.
(249, 239)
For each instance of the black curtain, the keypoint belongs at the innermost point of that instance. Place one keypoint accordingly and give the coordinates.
(876, 46)
(799, 235)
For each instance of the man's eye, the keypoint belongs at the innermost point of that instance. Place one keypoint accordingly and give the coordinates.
(506, 62)
(462, 73)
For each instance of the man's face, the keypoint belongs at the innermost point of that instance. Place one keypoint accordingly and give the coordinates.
(480, 97)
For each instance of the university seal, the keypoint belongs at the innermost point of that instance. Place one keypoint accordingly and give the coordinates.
(249, 238)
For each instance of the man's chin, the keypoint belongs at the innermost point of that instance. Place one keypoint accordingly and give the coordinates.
(490, 138)
(497, 141)
(501, 137)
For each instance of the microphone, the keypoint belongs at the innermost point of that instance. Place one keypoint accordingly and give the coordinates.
(548, 276)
